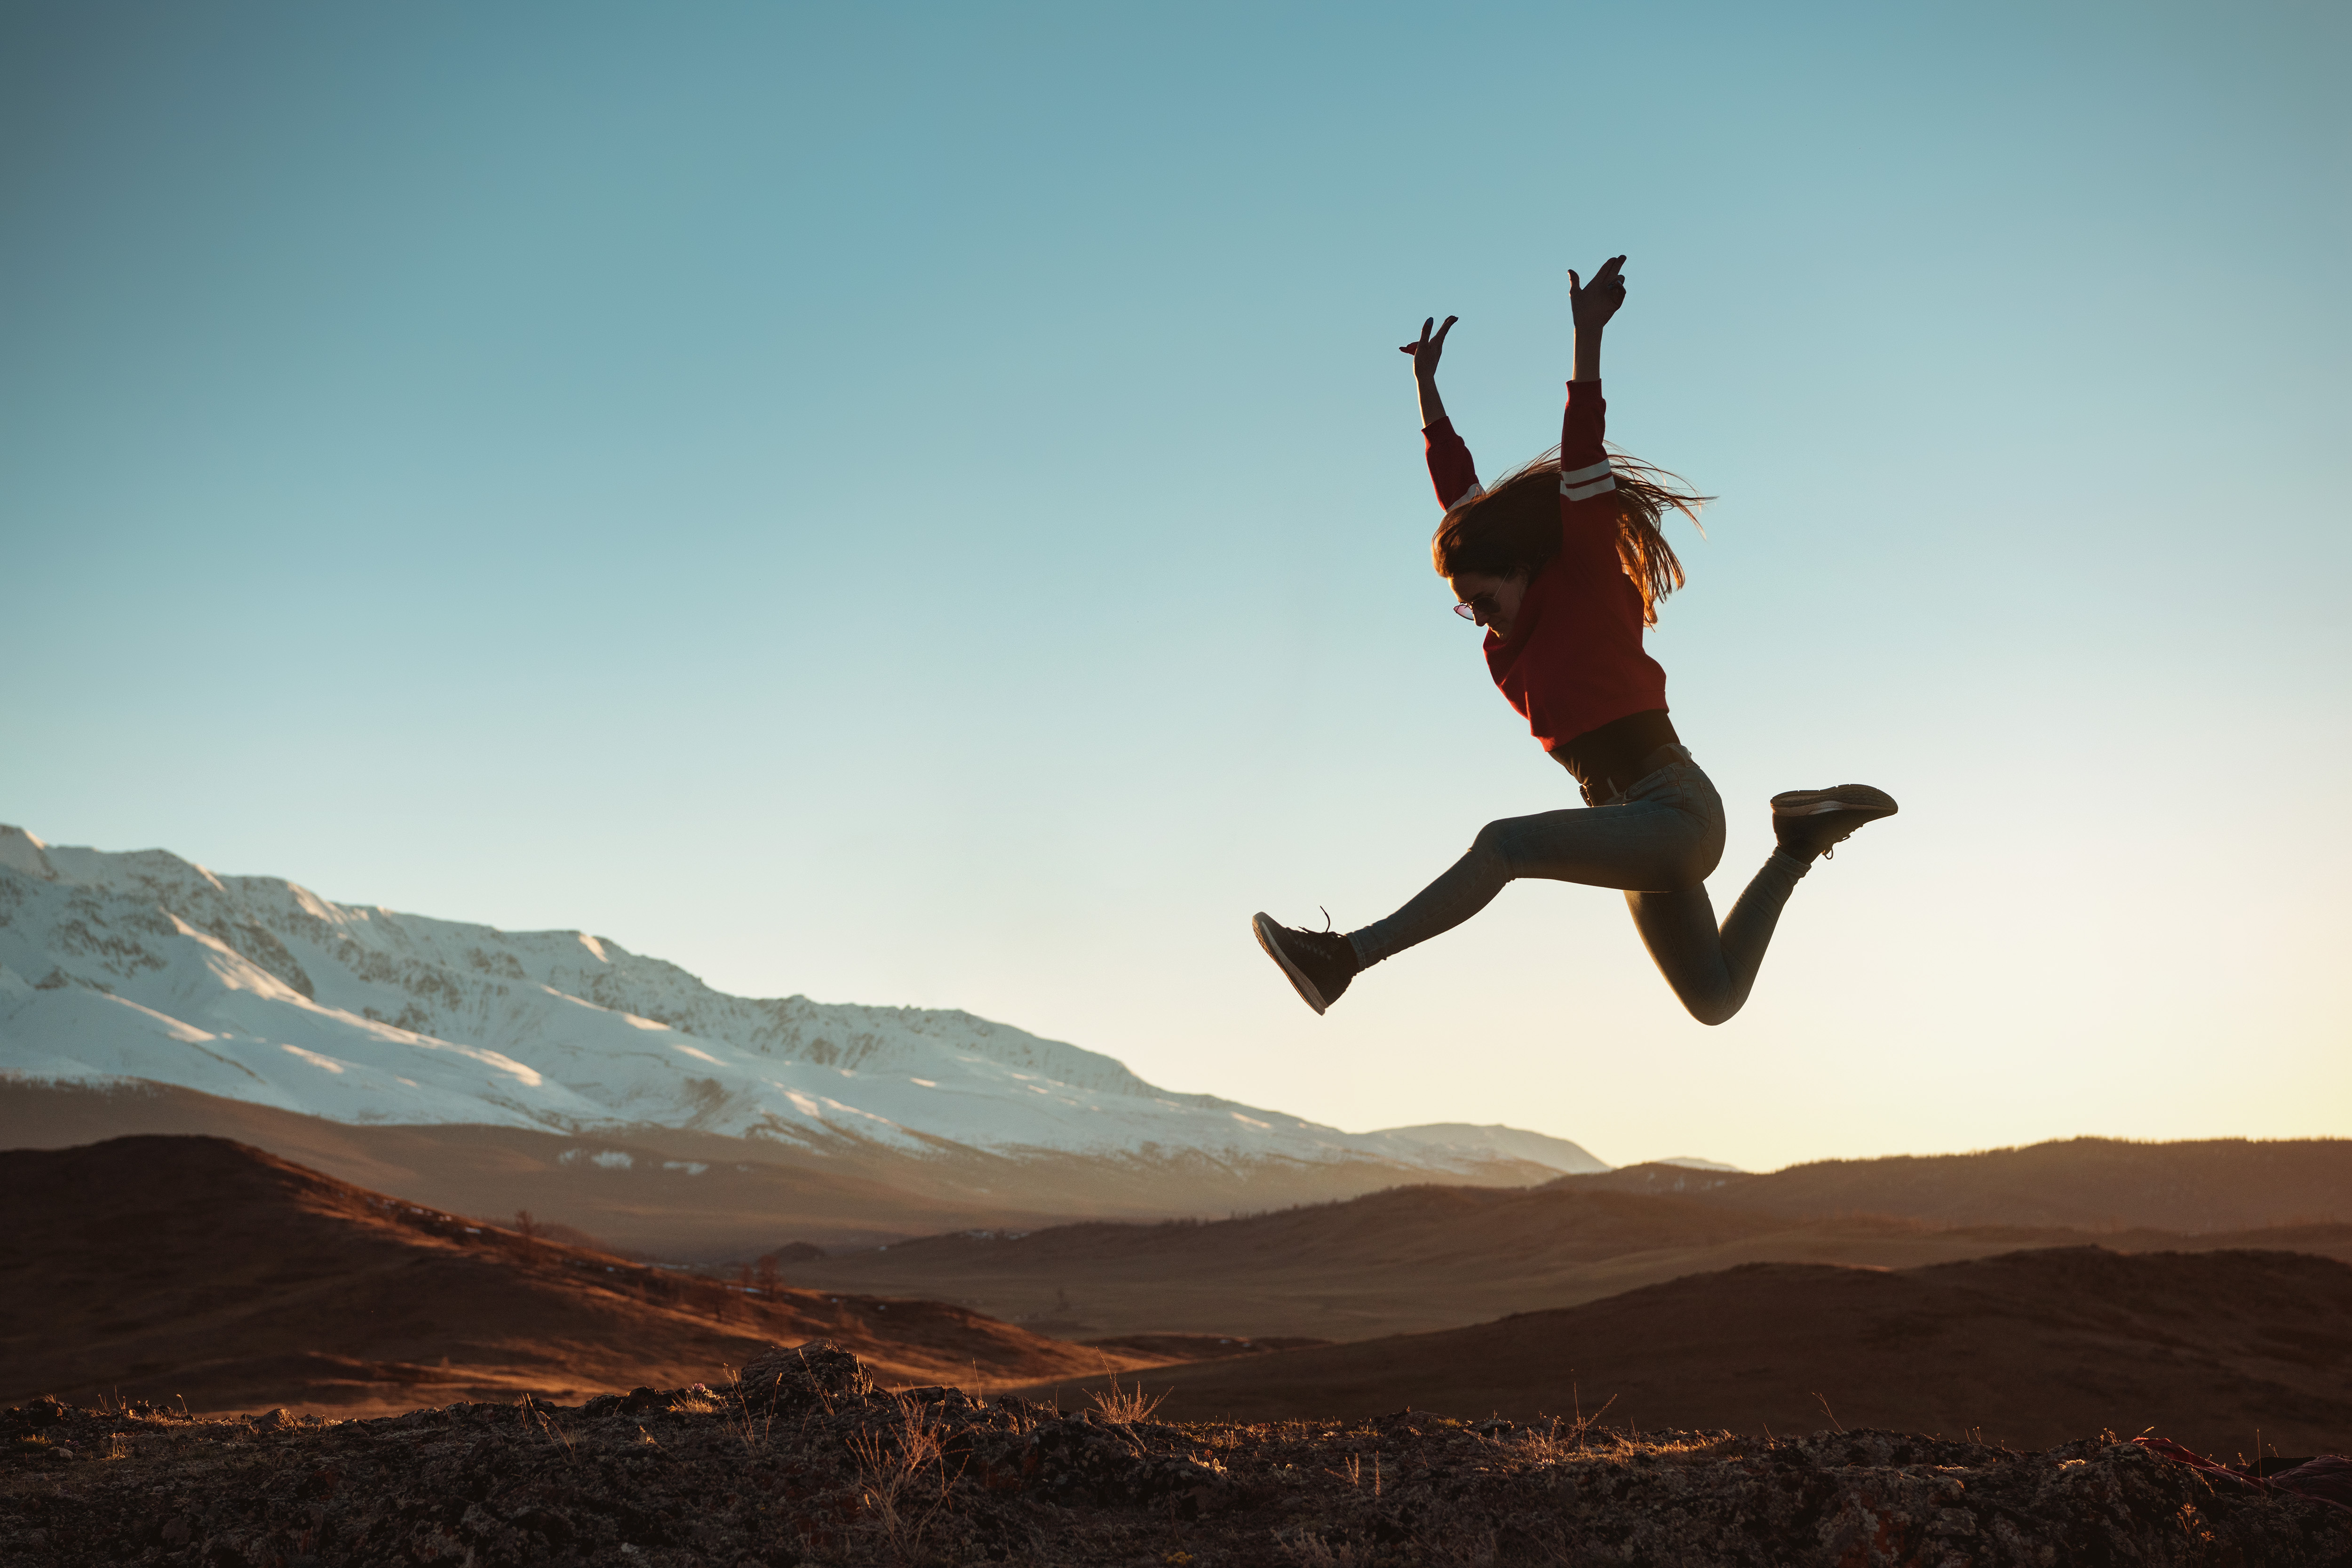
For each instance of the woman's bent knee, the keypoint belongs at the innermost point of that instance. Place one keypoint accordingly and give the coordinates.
(1712, 1007)
(1697, 861)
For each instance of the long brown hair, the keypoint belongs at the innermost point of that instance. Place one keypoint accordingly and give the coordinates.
(1515, 527)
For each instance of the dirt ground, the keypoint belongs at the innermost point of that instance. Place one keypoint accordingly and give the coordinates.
(804, 1461)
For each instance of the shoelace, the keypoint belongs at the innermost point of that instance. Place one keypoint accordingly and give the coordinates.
(1328, 931)
(1829, 850)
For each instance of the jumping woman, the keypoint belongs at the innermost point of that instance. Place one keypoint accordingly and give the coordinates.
(1563, 564)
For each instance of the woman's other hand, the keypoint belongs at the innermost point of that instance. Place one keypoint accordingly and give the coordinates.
(1424, 352)
(1424, 369)
(1591, 304)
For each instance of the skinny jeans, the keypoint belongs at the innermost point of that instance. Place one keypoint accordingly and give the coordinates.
(1657, 839)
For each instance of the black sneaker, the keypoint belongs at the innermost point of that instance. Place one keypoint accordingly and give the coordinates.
(1318, 963)
(1809, 822)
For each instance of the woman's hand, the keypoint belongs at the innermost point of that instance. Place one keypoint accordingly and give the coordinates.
(1424, 352)
(1424, 369)
(1591, 304)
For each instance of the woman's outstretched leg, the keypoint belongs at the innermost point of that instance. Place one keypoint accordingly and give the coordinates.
(1670, 838)
(1461, 890)
(1321, 964)
(1668, 831)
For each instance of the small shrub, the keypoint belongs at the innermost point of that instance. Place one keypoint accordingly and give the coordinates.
(1125, 1407)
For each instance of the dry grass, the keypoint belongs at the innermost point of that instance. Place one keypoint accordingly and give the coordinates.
(1560, 1440)
(696, 1401)
(556, 1432)
(1354, 1473)
(753, 1430)
(904, 1480)
(1124, 1406)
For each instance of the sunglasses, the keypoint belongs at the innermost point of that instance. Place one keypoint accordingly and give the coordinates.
(1471, 608)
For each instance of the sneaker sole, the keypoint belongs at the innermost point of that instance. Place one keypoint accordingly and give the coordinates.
(1261, 925)
(1846, 797)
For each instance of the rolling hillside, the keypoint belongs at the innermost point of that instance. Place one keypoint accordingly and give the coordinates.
(2024, 1349)
(195, 1268)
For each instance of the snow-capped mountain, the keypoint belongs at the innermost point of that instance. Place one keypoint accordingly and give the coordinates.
(142, 965)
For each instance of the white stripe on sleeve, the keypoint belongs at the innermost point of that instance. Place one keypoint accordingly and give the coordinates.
(1586, 492)
(1473, 493)
(1584, 476)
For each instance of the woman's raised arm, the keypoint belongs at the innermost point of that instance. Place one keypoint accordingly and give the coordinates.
(1590, 306)
(1425, 367)
(1584, 471)
(1451, 470)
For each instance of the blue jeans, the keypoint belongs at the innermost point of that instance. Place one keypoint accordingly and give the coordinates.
(1658, 840)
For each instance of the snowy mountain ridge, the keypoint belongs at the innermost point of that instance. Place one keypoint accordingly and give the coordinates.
(144, 965)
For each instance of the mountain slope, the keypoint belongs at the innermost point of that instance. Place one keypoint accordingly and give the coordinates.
(144, 965)
(684, 1196)
(159, 1267)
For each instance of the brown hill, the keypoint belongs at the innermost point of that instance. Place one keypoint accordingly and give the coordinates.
(686, 1196)
(2089, 1184)
(1420, 1258)
(2027, 1348)
(168, 1267)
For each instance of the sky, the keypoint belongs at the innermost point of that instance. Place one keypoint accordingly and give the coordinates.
(921, 505)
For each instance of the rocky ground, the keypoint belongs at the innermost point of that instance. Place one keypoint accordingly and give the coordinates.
(804, 1460)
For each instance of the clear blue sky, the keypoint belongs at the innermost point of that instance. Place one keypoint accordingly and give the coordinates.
(922, 505)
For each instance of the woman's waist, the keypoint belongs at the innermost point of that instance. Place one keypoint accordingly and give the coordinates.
(1610, 758)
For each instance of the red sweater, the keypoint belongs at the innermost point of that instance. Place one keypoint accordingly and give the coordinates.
(1573, 661)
